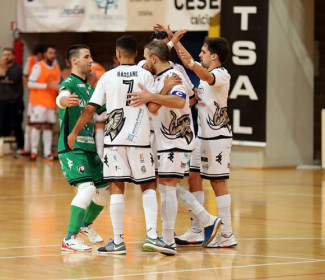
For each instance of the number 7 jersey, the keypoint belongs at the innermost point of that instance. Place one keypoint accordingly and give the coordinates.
(125, 125)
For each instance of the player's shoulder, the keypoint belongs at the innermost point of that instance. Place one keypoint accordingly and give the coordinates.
(220, 70)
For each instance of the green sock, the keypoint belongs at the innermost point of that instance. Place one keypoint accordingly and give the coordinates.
(77, 215)
(92, 212)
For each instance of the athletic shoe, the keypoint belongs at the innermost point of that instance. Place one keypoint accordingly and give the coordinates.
(222, 241)
(92, 235)
(75, 243)
(33, 156)
(169, 250)
(23, 152)
(211, 231)
(48, 158)
(157, 245)
(112, 248)
(190, 237)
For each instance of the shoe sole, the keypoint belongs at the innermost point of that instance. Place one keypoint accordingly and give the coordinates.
(214, 233)
(112, 253)
(74, 250)
(95, 242)
(185, 242)
(168, 252)
(226, 246)
(155, 248)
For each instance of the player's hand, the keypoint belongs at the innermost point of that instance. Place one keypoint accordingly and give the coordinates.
(185, 58)
(178, 35)
(71, 139)
(159, 27)
(69, 101)
(139, 98)
(171, 81)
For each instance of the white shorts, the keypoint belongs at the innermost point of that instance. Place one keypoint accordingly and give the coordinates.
(173, 164)
(29, 109)
(42, 115)
(212, 158)
(99, 118)
(129, 164)
(153, 144)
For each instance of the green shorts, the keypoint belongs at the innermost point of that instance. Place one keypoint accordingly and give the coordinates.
(80, 166)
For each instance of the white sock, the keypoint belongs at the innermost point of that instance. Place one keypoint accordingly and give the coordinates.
(99, 139)
(168, 211)
(189, 201)
(117, 214)
(223, 204)
(36, 135)
(27, 137)
(195, 222)
(150, 207)
(47, 142)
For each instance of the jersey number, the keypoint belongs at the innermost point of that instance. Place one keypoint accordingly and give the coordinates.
(130, 89)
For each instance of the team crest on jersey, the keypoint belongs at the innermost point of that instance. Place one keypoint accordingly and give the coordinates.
(114, 123)
(178, 128)
(220, 118)
(81, 169)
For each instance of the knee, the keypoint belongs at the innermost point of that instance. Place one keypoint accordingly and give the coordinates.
(85, 193)
(101, 196)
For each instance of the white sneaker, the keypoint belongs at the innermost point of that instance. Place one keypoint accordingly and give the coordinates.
(93, 236)
(75, 243)
(222, 241)
(190, 237)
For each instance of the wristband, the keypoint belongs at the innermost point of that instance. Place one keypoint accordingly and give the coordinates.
(191, 64)
(170, 44)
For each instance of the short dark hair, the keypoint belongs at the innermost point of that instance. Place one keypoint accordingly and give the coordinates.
(73, 51)
(158, 49)
(39, 48)
(128, 44)
(47, 46)
(9, 49)
(219, 46)
(159, 35)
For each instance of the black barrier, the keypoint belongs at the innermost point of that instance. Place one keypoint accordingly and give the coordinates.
(245, 24)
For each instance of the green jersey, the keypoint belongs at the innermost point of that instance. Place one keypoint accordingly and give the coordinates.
(69, 116)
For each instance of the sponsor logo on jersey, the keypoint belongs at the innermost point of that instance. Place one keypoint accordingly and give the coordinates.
(143, 169)
(141, 158)
(171, 156)
(114, 123)
(152, 159)
(81, 85)
(106, 160)
(205, 166)
(81, 169)
(82, 103)
(178, 128)
(183, 164)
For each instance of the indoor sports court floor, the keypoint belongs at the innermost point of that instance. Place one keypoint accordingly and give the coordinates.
(278, 220)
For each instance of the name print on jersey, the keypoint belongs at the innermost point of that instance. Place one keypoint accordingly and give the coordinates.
(178, 128)
(114, 123)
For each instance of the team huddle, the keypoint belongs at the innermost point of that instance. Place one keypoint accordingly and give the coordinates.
(149, 137)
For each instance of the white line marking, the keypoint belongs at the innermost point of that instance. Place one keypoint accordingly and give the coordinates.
(191, 270)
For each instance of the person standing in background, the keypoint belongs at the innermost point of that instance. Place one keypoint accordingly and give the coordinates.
(30, 62)
(11, 97)
(43, 84)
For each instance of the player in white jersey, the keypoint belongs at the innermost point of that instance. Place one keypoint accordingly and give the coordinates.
(175, 142)
(215, 134)
(127, 153)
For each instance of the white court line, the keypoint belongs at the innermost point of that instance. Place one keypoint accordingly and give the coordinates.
(192, 270)
(140, 242)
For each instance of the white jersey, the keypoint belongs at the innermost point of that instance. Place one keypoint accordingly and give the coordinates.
(125, 125)
(212, 106)
(174, 127)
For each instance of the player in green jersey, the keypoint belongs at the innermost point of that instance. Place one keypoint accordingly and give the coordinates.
(81, 167)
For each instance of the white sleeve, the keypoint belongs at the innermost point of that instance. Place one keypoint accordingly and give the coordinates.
(99, 95)
(141, 63)
(32, 79)
(221, 76)
(61, 94)
(26, 67)
(179, 90)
